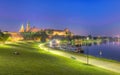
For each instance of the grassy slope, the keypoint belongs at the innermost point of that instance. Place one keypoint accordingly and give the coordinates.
(33, 61)
(83, 55)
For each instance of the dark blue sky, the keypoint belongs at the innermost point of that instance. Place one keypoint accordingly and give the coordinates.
(95, 17)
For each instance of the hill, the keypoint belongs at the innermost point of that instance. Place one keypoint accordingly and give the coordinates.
(32, 60)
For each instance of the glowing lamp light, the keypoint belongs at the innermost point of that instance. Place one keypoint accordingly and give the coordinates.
(88, 38)
(57, 41)
(50, 44)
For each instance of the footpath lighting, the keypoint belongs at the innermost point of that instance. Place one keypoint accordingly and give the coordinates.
(54, 43)
(87, 51)
(100, 53)
(50, 44)
(88, 38)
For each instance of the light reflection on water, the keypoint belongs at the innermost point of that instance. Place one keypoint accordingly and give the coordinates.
(110, 50)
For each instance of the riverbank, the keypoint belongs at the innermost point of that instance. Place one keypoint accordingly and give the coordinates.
(103, 63)
(35, 61)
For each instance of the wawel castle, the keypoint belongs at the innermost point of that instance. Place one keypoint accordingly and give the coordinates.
(16, 36)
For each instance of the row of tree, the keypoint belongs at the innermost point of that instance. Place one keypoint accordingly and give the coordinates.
(42, 35)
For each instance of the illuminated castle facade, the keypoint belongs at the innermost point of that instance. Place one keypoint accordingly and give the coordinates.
(54, 31)
(16, 36)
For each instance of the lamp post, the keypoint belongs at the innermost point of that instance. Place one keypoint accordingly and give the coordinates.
(100, 53)
(87, 51)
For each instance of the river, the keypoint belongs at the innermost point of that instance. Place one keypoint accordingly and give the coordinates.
(110, 50)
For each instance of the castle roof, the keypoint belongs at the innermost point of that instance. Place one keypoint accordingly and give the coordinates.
(34, 29)
(22, 28)
(55, 30)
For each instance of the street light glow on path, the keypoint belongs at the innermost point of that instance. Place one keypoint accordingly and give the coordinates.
(96, 62)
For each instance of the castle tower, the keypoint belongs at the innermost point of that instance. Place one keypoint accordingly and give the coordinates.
(66, 30)
(28, 27)
(22, 28)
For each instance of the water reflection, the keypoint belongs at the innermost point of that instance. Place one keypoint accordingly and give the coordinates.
(104, 49)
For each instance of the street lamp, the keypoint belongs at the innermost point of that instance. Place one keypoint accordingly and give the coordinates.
(88, 38)
(87, 51)
(100, 53)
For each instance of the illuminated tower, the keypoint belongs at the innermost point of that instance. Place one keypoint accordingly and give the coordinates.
(22, 28)
(28, 27)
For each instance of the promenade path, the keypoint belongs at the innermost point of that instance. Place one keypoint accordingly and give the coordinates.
(113, 66)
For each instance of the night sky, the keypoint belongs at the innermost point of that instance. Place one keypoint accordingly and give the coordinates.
(83, 17)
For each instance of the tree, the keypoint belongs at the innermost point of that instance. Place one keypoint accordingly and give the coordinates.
(28, 35)
(49, 32)
(90, 36)
(35, 35)
(44, 36)
(3, 36)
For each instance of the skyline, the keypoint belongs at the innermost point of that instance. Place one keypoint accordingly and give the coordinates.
(83, 17)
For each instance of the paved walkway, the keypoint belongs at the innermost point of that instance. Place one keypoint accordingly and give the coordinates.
(96, 62)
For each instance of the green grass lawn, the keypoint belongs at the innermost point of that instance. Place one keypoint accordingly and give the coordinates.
(34, 61)
(84, 55)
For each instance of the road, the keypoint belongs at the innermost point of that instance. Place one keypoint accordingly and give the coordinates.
(96, 62)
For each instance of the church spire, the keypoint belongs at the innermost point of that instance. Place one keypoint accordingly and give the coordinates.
(22, 28)
(28, 27)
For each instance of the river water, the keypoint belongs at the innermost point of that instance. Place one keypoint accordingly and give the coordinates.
(110, 50)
